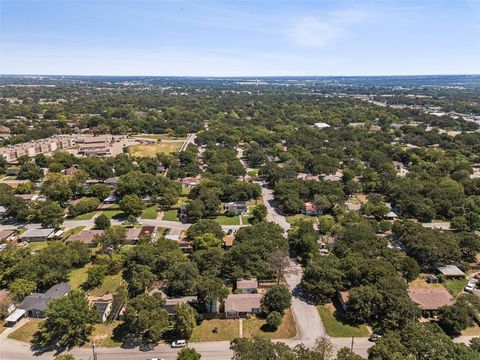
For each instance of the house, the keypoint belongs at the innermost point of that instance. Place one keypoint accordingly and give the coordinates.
(238, 207)
(6, 235)
(321, 125)
(351, 206)
(149, 232)
(103, 304)
(431, 298)
(15, 317)
(33, 235)
(171, 302)
(343, 297)
(31, 197)
(111, 182)
(240, 305)
(35, 304)
(451, 271)
(132, 235)
(190, 182)
(310, 209)
(228, 241)
(391, 215)
(71, 170)
(247, 286)
(86, 236)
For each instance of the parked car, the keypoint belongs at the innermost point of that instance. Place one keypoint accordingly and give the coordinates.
(230, 232)
(470, 286)
(166, 231)
(179, 343)
(374, 337)
(155, 359)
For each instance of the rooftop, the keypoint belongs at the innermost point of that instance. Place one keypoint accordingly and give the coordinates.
(430, 298)
(37, 233)
(243, 302)
(247, 283)
(451, 270)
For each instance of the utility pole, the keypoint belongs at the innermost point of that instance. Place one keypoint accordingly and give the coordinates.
(351, 347)
(93, 349)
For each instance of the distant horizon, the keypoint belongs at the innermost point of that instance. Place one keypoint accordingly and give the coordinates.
(246, 76)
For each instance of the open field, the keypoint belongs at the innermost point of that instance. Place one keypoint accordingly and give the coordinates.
(151, 150)
(86, 216)
(150, 212)
(455, 287)
(109, 285)
(78, 276)
(216, 330)
(25, 333)
(335, 327)
(159, 136)
(255, 326)
(37, 245)
(227, 220)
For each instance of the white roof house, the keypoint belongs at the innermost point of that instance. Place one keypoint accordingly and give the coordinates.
(321, 125)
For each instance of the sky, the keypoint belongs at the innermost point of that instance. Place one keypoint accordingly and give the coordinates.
(239, 38)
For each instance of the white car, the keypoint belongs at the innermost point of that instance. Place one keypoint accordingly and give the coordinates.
(179, 343)
(470, 286)
(156, 359)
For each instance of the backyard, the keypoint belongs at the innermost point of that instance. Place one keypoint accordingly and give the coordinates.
(336, 327)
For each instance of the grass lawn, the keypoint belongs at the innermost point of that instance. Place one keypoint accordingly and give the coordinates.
(455, 286)
(86, 216)
(337, 328)
(471, 331)
(37, 245)
(151, 150)
(170, 215)
(159, 136)
(245, 219)
(226, 220)
(215, 330)
(109, 285)
(255, 326)
(103, 334)
(150, 212)
(73, 231)
(114, 213)
(253, 173)
(294, 218)
(78, 276)
(25, 333)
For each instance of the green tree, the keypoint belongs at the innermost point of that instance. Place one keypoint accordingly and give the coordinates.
(184, 320)
(95, 276)
(69, 322)
(64, 357)
(259, 213)
(205, 226)
(205, 241)
(277, 298)
(30, 171)
(19, 288)
(146, 316)
(188, 354)
(132, 205)
(274, 320)
(102, 222)
(48, 213)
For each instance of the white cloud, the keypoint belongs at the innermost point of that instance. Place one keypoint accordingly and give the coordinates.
(314, 31)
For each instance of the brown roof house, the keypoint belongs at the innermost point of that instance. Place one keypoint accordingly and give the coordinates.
(432, 298)
(103, 305)
(228, 241)
(310, 209)
(86, 236)
(240, 305)
(247, 286)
